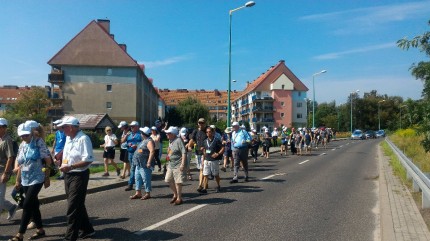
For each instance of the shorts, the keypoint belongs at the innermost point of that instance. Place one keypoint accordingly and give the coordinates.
(211, 167)
(109, 153)
(123, 155)
(199, 159)
(228, 153)
(174, 175)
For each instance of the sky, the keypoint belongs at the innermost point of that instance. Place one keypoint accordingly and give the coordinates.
(184, 43)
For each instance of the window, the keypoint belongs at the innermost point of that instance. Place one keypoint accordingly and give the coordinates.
(299, 115)
(109, 72)
(282, 103)
(299, 104)
(282, 115)
(109, 105)
(109, 88)
(283, 87)
(300, 93)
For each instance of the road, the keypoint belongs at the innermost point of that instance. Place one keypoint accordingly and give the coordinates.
(330, 195)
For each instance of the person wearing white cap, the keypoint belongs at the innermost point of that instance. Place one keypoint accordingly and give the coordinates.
(58, 145)
(275, 134)
(255, 144)
(284, 141)
(123, 153)
(133, 139)
(240, 142)
(7, 158)
(77, 157)
(185, 138)
(176, 164)
(31, 176)
(143, 161)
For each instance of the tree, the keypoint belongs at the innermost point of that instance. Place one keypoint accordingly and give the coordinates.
(190, 110)
(32, 105)
(421, 71)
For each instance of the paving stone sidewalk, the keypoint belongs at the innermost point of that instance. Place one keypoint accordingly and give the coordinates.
(400, 218)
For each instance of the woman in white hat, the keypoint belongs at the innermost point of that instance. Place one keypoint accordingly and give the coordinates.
(32, 176)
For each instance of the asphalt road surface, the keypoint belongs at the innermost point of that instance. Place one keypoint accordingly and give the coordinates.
(330, 195)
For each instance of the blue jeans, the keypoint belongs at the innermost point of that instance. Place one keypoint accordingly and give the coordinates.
(132, 169)
(143, 177)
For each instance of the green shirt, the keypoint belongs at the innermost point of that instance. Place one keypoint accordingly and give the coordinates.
(6, 151)
(175, 151)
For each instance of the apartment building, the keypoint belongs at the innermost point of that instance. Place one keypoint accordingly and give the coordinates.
(276, 98)
(9, 94)
(95, 74)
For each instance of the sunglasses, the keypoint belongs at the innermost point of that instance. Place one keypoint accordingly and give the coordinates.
(109, 130)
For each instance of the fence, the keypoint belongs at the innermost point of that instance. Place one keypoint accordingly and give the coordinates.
(420, 182)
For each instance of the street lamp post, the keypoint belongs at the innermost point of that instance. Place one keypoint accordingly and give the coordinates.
(313, 89)
(351, 105)
(379, 115)
(248, 4)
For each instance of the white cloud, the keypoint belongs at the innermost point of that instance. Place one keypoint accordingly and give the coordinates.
(370, 19)
(168, 61)
(336, 55)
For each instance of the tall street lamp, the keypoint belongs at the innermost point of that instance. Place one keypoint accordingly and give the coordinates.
(248, 4)
(313, 103)
(379, 115)
(351, 105)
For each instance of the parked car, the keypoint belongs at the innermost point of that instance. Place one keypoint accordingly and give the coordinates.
(380, 133)
(358, 135)
(370, 134)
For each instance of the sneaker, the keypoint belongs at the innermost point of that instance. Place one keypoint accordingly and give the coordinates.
(31, 225)
(85, 235)
(11, 212)
(118, 172)
(233, 181)
(246, 179)
(106, 174)
(223, 169)
(218, 189)
(199, 189)
(129, 188)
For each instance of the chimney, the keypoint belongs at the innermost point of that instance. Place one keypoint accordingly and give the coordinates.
(247, 83)
(104, 23)
(124, 47)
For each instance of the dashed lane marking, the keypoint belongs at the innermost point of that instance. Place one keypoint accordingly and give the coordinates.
(303, 162)
(322, 154)
(154, 226)
(276, 174)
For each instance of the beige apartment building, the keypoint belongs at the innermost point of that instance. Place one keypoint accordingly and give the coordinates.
(93, 73)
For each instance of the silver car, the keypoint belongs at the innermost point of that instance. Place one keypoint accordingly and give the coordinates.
(358, 135)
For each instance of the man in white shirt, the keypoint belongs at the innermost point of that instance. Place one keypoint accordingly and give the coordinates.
(77, 157)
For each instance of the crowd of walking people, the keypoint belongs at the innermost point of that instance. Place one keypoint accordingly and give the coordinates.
(141, 149)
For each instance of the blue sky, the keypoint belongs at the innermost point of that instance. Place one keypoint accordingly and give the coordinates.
(184, 43)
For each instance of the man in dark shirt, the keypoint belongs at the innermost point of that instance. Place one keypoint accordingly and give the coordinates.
(197, 139)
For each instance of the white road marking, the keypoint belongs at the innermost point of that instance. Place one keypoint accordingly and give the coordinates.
(333, 149)
(303, 162)
(154, 226)
(322, 154)
(276, 174)
(340, 146)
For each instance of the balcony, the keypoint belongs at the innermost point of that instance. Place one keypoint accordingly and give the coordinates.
(263, 120)
(266, 109)
(263, 99)
(56, 77)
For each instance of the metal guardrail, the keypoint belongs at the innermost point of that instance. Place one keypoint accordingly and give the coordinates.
(420, 182)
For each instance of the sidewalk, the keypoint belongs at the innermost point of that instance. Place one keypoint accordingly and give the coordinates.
(399, 217)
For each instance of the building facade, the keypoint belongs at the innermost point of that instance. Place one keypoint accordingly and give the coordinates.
(276, 98)
(95, 74)
(9, 94)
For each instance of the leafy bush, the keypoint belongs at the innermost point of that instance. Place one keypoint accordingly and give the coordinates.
(96, 139)
(49, 140)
